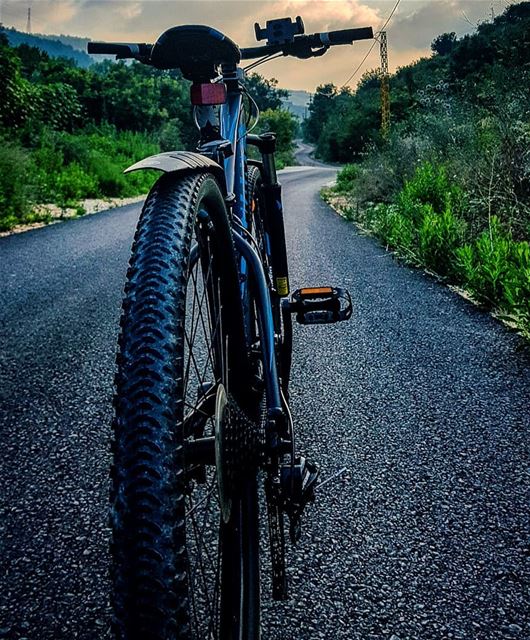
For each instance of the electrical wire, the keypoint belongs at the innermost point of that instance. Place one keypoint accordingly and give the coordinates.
(372, 45)
(360, 64)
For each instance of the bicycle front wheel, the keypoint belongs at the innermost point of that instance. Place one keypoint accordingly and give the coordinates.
(185, 557)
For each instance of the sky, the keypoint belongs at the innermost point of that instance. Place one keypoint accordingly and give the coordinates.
(410, 32)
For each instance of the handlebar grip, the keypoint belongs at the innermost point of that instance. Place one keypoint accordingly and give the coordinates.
(110, 48)
(120, 49)
(346, 36)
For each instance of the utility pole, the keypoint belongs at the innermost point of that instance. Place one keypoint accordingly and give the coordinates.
(28, 25)
(385, 86)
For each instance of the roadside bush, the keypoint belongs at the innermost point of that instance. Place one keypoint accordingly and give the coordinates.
(439, 236)
(496, 270)
(15, 185)
(486, 263)
(517, 285)
(429, 185)
(346, 178)
(73, 183)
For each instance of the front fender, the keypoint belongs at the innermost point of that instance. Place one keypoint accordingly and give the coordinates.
(173, 161)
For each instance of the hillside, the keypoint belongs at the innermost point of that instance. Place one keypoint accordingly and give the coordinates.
(55, 46)
(74, 47)
(297, 103)
(449, 188)
(472, 72)
(68, 131)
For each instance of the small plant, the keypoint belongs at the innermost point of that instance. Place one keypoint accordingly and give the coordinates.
(439, 236)
(15, 185)
(346, 178)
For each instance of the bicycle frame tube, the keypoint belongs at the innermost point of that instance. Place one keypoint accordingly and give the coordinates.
(233, 129)
(265, 320)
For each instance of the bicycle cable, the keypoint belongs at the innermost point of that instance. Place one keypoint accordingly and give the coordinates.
(250, 114)
(267, 58)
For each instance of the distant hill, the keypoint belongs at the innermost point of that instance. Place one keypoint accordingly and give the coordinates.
(297, 103)
(55, 46)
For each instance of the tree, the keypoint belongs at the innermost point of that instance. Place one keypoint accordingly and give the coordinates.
(444, 43)
(16, 95)
(265, 92)
(320, 107)
(282, 123)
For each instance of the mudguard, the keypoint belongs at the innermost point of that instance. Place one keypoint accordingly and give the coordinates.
(173, 161)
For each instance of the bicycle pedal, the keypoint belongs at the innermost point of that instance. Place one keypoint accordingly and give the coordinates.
(320, 305)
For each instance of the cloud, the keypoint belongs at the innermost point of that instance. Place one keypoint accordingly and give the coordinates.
(415, 24)
(418, 24)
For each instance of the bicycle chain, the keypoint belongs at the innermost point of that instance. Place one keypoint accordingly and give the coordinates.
(277, 542)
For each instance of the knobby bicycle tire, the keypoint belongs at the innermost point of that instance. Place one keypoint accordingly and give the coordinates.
(154, 596)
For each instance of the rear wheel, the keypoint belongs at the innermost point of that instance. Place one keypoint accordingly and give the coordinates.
(185, 548)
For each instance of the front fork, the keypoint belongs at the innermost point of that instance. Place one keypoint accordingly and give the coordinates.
(275, 229)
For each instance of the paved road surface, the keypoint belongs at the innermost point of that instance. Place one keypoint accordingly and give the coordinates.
(304, 155)
(421, 396)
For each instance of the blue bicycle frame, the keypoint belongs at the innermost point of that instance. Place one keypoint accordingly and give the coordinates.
(233, 130)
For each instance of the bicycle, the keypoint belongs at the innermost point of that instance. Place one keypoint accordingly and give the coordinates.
(202, 419)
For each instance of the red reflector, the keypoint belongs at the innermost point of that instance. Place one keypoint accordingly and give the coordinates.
(208, 93)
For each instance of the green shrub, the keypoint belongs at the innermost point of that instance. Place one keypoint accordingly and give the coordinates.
(439, 235)
(73, 183)
(346, 178)
(517, 285)
(16, 171)
(429, 185)
(395, 229)
(485, 264)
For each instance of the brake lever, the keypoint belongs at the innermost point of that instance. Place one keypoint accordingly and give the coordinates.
(319, 52)
(304, 50)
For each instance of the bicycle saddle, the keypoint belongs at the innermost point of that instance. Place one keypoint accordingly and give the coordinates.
(196, 50)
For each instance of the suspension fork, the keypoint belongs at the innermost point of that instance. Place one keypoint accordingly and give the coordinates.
(272, 193)
(275, 227)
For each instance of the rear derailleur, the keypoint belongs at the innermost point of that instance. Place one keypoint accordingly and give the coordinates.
(288, 491)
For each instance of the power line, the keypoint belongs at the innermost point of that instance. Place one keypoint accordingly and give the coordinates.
(361, 63)
(390, 16)
(373, 44)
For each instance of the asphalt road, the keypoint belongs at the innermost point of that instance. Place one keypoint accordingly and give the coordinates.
(422, 397)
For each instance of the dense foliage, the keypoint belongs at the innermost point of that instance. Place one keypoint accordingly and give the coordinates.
(68, 132)
(63, 46)
(450, 188)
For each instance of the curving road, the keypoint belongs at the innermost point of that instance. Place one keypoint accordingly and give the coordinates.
(422, 397)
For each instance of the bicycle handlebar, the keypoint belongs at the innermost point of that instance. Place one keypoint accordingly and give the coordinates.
(121, 50)
(301, 47)
(346, 36)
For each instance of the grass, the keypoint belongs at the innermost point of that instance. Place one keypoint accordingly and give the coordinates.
(65, 168)
(426, 227)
